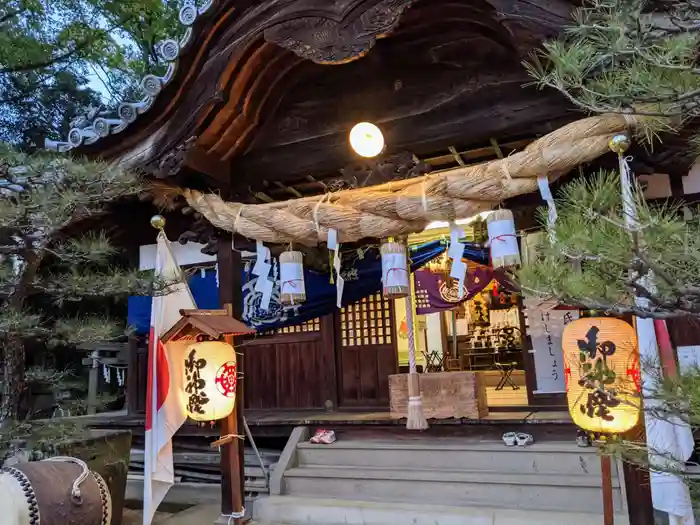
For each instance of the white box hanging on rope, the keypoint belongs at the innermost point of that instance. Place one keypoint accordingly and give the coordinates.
(395, 274)
(292, 287)
(503, 240)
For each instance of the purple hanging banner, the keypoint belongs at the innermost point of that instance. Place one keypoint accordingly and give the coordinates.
(435, 292)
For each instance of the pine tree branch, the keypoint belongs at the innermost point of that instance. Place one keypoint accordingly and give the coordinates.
(20, 323)
(94, 248)
(81, 330)
(77, 285)
(617, 265)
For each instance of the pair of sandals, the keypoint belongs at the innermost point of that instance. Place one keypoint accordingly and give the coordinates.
(517, 438)
(323, 437)
(584, 439)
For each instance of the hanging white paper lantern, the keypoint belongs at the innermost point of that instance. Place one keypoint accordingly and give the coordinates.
(503, 239)
(395, 273)
(210, 380)
(292, 289)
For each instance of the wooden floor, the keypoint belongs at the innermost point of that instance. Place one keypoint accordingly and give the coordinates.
(307, 417)
(507, 396)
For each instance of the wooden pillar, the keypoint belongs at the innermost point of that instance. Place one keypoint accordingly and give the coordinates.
(232, 455)
(232, 495)
(93, 382)
(132, 378)
(638, 483)
(608, 507)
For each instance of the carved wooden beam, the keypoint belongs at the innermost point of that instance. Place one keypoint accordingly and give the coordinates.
(326, 40)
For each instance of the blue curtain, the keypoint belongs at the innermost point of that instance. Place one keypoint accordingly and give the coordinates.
(362, 276)
(205, 290)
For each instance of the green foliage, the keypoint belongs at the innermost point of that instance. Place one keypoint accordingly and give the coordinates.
(45, 198)
(627, 56)
(39, 438)
(51, 49)
(56, 282)
(592, 259)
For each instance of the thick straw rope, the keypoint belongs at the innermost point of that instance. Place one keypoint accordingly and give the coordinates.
(406, 206)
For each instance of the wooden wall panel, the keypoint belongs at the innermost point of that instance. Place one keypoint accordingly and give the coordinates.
(261, 372)
(294, 369)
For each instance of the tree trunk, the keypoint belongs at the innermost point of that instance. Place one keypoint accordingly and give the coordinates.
(13, 380)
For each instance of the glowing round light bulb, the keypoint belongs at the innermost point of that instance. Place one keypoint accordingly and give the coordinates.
(366, 139)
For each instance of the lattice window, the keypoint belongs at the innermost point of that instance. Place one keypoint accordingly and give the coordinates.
(366, 322)
(314, 325)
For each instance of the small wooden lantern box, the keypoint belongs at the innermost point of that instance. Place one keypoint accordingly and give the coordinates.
(215, 324)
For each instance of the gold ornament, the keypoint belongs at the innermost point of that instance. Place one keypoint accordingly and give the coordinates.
(158, 222)
(620, 143)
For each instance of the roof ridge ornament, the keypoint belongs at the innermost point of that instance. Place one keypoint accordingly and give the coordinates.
(98, 123)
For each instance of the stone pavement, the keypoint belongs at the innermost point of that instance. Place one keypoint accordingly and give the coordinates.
(135, 517)
(198, 515)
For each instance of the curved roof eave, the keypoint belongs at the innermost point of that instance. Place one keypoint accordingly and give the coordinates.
(97, 124)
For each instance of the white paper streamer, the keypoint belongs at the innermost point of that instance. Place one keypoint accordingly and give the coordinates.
(339, 281)
(546, 193)
(455, 252)
(262, 269)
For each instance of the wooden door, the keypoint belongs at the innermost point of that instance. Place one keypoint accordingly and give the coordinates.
(291, 369)
(366, 353)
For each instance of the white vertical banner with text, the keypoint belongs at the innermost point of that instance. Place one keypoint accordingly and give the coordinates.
(546, 327)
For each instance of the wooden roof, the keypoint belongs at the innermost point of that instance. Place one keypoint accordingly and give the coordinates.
(261, 95)
(272, 87)
(214, 323)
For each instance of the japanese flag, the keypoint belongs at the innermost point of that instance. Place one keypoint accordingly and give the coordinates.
(164, 411)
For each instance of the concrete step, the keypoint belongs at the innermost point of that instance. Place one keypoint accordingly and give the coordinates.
(549, 492)
(291, 510)
(542, 458)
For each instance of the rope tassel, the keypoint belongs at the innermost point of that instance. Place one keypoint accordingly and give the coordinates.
(416, 419)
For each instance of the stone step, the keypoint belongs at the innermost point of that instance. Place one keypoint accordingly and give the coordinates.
(549, 492)
(291, 510)
(539, 458)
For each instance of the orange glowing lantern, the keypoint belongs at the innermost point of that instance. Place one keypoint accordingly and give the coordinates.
(210, 380)
(201, 343)
(601, 368)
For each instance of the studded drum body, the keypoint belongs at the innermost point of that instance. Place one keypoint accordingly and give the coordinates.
(44, 493)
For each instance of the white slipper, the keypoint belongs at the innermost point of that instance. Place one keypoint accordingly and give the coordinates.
(524, 439)
(328, 437)
(509, 438)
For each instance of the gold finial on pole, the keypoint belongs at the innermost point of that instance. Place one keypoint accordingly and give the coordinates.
(620, 143)
(158, 222)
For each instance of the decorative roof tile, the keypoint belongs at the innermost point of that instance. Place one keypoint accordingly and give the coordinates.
(98, 122)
